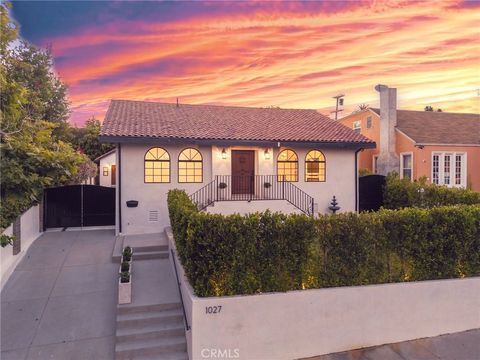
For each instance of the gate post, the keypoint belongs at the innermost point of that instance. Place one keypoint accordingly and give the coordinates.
(81, 205)
(17, 243)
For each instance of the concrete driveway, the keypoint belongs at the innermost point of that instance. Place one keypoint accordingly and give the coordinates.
(60, 302)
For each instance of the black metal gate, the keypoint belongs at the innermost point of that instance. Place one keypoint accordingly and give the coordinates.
(370, 192)
(79, 205)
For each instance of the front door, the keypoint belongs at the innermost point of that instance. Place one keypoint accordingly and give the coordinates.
(243, 171)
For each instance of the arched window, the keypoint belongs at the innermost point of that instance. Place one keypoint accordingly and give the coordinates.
(315, 166)
(287, 165)
(190, 166)
(157, 166)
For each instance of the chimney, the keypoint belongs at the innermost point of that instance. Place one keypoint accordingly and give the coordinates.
(388, 160)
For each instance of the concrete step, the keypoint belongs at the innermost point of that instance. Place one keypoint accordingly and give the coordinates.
(150, 318)
(131, 309)
(150, 347)
(181, 355)
(147, 255)
(150, 331)
(149, 248)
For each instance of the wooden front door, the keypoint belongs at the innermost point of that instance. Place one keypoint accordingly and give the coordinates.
(243, 171)
(114, 175)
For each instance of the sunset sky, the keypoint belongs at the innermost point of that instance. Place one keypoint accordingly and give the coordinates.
(286, 54)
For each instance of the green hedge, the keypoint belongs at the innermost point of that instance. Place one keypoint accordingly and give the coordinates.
(401, 193)
(267, 252)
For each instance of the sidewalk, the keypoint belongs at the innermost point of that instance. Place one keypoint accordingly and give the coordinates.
(459, 346)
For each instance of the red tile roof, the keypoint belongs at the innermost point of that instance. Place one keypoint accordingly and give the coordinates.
(431, 127)
(140, 119)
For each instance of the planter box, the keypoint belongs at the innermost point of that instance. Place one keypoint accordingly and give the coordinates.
(125, 289)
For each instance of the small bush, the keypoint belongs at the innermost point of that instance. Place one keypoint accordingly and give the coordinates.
(125, 266)
(124, 277)
(401, 193)
(268, 252)
(127, 253)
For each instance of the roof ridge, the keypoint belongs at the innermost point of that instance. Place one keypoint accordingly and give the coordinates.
(215, 105)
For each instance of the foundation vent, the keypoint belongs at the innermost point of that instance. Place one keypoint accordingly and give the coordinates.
(153, 215)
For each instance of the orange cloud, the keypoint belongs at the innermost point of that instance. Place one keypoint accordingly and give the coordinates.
(292, 57)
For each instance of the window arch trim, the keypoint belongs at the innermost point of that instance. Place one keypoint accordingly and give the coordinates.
(190, 160)
(321, 163)
(153, 158)
(291, 159)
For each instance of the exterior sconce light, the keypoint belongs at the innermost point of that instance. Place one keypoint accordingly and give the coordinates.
(105, 171)
(267, 155)
(224, 154)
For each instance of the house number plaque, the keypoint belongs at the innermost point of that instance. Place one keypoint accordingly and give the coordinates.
(213, 309)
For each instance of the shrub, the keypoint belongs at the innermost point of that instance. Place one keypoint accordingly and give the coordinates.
(267, 252)
(125, 266)
(127, 253)
(401, 193)
(124, 277)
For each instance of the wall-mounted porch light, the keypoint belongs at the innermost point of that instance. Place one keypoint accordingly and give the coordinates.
(105, 171)
(224, 154)
(266, 154)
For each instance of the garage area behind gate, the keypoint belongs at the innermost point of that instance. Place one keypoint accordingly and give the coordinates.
(79, 206)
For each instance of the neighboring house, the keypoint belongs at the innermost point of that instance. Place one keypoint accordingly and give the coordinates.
(443, 147)
(107, 169)
(228, 156)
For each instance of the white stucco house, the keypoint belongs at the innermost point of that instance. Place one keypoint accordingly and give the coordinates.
(107, 168)
(229, 159)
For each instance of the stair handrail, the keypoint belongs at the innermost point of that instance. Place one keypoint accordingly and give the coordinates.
(205, 196)
(299, 198)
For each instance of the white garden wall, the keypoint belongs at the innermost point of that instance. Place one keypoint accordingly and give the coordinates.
(307, 323)
(30, 231)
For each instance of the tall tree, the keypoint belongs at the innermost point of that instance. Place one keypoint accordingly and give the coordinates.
(86, 139)
(33, 105)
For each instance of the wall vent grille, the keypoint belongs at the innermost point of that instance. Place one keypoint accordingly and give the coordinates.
(153, 215)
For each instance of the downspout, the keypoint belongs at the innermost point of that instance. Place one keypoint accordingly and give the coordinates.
(356, 179)
(119, 169)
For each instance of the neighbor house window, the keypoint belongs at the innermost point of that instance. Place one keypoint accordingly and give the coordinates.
(357, 126)
(375, 164)
(105, 171)
(287, 166)
(449, 169)
(406, 166)
(190, 166)
(157, 166)
(369, 122)
(315, 166)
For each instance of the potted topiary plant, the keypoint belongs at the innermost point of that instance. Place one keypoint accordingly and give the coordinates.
(267, 190)
(222, 193)
(125, 287)
(127, 254)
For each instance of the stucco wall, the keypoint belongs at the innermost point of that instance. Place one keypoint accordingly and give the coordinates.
(307, 323)
(107, 161)
(30, 231)
(340, 181)
(422, 158)
(365, 157)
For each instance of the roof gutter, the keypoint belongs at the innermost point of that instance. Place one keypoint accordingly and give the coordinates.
(225, 142)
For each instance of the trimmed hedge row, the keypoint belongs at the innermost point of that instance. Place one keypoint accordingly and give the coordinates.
(267, 252)
(401, 193)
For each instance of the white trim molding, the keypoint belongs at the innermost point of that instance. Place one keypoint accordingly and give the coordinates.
(449, 168)
(408, 153)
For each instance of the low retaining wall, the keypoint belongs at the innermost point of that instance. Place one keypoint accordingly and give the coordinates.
(307, 323)
(27, 228)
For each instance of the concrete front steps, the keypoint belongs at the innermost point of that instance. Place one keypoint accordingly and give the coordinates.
(150, 332)
(145, 246)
